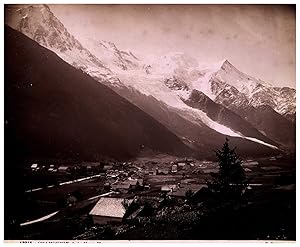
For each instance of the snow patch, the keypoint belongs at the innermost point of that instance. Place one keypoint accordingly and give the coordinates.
(39, 220)
(261, 142)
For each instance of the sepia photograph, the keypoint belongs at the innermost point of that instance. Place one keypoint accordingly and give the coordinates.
(149, 122)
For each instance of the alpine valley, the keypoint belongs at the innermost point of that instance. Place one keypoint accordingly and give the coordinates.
(103, 143)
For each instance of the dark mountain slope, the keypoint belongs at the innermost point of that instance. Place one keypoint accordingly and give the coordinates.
(271, 123)
(54, 110)
(264, 118)
(224, 116)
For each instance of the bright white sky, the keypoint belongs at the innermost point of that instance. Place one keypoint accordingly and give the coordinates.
(258, 40)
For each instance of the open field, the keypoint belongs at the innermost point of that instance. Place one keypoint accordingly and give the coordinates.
(39, 203)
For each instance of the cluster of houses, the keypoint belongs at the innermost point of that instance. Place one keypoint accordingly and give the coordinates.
(34, 167)
(114, 209)
(206, 167)
(115, 169)
(50, 168)
(84, 167)
(180, 189)
(116, 173)
(128, 185)
(171, 168)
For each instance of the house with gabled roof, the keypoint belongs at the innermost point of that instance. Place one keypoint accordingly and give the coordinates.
(168, 187)
(121, 187)
(109, 210)
(63, 169)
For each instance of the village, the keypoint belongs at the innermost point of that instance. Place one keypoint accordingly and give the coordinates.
(173, 178)
(103, 194)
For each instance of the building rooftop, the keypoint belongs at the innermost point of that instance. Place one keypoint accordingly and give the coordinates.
(188, 180)
(120, 186)
(110, 207)
(168, 187)
(209, 170)
(140, 181)
(250, 163)
(63, 168)
(131, 182)
(181, 192)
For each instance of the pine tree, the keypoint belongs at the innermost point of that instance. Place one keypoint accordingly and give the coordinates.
(231, 179)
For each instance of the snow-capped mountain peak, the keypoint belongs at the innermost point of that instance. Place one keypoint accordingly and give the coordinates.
(174, 62)
(234, 77)
(40, 24)
(112, 56)
(224, 83)
(213, 66)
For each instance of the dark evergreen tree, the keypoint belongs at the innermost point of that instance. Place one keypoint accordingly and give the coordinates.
(231, 179)
(189, 196)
